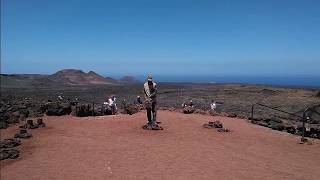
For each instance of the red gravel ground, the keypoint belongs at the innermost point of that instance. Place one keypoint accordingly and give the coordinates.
(116, 147)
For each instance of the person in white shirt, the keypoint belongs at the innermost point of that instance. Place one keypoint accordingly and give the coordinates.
(213, 105)
(112, 104)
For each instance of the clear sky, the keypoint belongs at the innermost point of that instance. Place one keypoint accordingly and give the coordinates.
(168, 37)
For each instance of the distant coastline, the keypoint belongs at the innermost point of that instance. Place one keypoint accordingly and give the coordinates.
(277, 81)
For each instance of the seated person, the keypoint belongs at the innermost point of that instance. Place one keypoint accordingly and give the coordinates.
(138, 100)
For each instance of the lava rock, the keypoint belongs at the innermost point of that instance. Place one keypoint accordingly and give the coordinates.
(40, 123)
(232, 115)
(131, 109)
(9, 154)
(84, 110)
(214, 124)
(188, 110)
(152, 127)
(213, 112)
(58, 109)
(291, 129)
(223, 130)
(29, 125)
(10, 143)
(3, 124)
(23, 134)
(14, 117)
(276, 126)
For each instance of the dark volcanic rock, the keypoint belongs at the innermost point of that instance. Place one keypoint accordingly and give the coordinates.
(14, 117)
(276, 126)
(188, 110)
(214, 124)
(22, 134)
(40, 123)
(314, 133)
(232, 115)
(260, 123)
(84, 110)
(152, 127)
(300, 130)
(58, 109)
(9, 154)
(213, 113)
(291, 129)
(3, 124)
(131, 109)
(223, 130)
(10, 143)
(29, 125)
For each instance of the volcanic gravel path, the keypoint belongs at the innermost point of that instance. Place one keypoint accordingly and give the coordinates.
(116, 147)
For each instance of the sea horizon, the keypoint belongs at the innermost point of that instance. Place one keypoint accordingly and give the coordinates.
(307, 81)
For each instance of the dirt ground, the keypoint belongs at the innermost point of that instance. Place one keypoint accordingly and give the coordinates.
(116, 147)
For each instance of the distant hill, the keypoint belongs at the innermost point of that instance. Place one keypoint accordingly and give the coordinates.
(78, 77)
(128, 80)
(63, 77)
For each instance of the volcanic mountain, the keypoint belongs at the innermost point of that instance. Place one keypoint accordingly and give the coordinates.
(62, 77)
(78, 77)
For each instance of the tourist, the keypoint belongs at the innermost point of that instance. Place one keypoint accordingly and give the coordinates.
(150, 90)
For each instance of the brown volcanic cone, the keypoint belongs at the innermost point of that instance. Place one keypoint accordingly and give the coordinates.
(74, 76)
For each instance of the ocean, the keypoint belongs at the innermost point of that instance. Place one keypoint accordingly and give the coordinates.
(282, 81)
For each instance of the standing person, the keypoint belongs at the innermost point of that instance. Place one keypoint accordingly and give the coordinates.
(112, 104)
(213, 105)
(191, 103)
(150, 91)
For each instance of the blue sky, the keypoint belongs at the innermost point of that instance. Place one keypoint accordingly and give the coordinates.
(167, 37)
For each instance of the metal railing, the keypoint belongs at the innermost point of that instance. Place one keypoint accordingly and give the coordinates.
(276, 109)
(304, 117)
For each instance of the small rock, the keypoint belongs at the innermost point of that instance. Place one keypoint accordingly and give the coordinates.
(10, 143)
(9, 154)
(22, 134)
(188, 110)
(215, 124)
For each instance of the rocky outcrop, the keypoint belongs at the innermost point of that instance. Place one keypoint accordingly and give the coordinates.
(152, 127)
(131, 109)
(278, 125)
(9, 154)
(213, 124)
(10, 143)
(188, 110)
(58, 108)
(23, 133)
(31, 125)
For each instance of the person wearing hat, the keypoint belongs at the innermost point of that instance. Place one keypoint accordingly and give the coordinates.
(150, 91)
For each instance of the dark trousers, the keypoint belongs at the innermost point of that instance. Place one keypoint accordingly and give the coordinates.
(153, 109)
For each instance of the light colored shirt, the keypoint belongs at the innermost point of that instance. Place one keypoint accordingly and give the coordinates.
(213, 106)
(112, 102)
